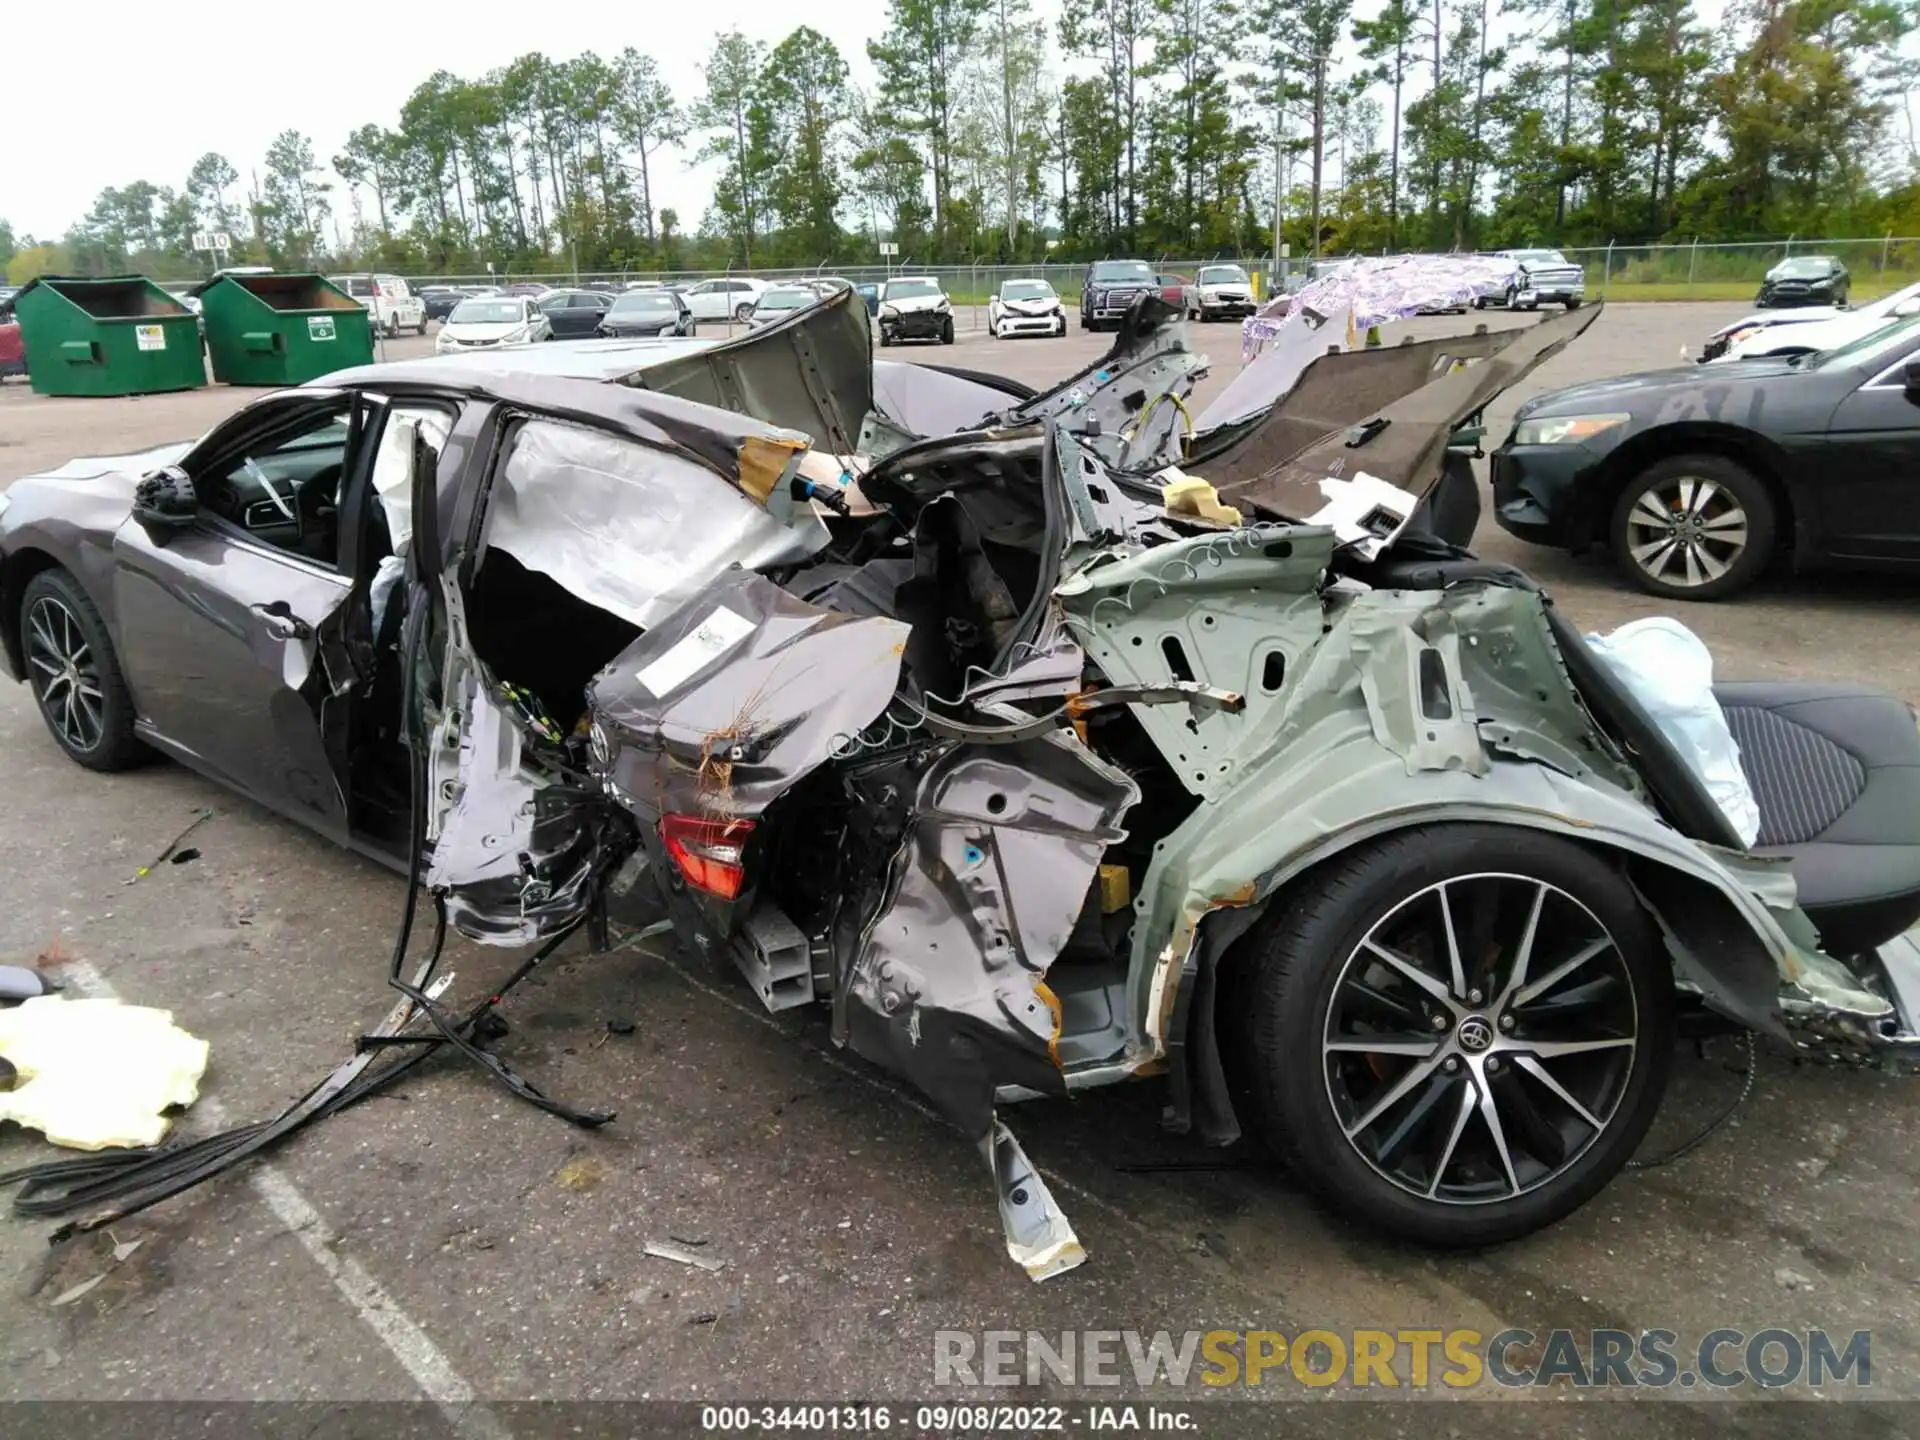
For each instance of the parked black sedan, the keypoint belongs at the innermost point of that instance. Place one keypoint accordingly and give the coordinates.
(1697, 478)
(575, 314)
(440, 300)
(1804, 280)
(647, 312)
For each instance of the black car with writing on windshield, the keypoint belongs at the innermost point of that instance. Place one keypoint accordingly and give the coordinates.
(1804, 280)
(1110, 289)
(647, 312)
(1698, 478)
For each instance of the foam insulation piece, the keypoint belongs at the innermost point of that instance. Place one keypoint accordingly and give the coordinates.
(97, 1074)
(1184, 494)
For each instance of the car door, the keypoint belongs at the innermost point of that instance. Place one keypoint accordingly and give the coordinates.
(221, 628)
(584, 313)
(707, 301)
(1869, 466)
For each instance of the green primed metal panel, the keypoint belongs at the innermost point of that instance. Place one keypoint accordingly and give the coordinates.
(282, 329)
(122, 335)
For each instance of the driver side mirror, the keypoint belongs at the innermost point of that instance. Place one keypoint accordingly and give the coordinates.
(164, 503)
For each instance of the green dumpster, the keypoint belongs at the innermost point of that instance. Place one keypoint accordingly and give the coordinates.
(122, 335)
(282, 329)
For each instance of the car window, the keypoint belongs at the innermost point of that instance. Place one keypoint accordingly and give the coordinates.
(286, 493)
(912, 289)
(488, 312)
(1883, 343)
(589, 302)
(1026, 290)
(1116, 270)
(653, 302)
(1808, 268)
(1222, 275)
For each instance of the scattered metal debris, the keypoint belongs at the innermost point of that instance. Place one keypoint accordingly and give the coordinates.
(681, 1256)
(173, 848)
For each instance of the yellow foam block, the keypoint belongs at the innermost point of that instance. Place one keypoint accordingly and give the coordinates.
(97, 1074)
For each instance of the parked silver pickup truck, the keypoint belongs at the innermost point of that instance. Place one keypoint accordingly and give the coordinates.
(1546, 277)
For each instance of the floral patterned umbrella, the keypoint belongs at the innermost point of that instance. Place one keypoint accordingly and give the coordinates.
(1377, 291)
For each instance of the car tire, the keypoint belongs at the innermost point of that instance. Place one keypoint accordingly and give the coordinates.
(1573, 304)
(1722, 542)
(1060, 330)
(58, 622)
(1462, 1144)
(1085, 324)
(886, 337)
(946, 331)
(742, 314)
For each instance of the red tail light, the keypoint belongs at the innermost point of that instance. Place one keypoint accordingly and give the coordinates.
(708, 852)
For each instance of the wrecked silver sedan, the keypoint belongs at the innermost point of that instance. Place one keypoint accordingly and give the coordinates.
(1046, 740)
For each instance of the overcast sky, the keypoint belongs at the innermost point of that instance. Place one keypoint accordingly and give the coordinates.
(141, 99)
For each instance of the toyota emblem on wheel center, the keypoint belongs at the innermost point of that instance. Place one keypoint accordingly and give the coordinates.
(1475, 1034)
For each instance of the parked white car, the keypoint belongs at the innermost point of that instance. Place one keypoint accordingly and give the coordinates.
(731, 297)
(1026, 307)
(915, 307)
(392, 304)
(1800, 332)
(493, 322)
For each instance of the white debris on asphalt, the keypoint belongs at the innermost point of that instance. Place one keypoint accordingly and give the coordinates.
(97, 1074)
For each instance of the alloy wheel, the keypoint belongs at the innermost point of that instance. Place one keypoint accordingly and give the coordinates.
(65, 675)
(1480, 1039)
(1686, 530)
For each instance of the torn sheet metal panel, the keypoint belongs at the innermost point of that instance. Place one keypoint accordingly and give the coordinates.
(1235, 612)
(947, 986)
(1039, 1237)
(810, 372)
(1272, 375)
(515, 855)
(731, 700)
(630, 529)
(1403, 442)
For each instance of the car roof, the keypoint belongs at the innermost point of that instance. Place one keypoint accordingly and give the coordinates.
(913, 279)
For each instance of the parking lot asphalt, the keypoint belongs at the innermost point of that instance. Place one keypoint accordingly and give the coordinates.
(452, 1244)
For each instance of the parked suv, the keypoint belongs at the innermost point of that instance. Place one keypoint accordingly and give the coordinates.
(728, 298)
(393, 306)
(1546, 277)
(1109, 290)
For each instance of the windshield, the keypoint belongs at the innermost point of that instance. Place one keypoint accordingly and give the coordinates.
(1222, 275)
(1026, 290)
(911, 289)
(1871, 347)
(653, 303)
(785, 299)
(487, 312)
(1801, 269)
(1116, 270)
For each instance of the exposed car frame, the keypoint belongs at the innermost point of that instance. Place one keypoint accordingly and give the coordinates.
(1110, 760)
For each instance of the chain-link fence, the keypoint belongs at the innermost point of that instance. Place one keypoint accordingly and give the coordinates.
(1723, 271)
(1701, 271)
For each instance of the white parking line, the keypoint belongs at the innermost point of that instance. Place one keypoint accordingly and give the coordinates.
(429, 1366)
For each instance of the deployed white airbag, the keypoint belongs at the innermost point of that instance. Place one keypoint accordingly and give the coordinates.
(1670, 672)
(628, 528)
